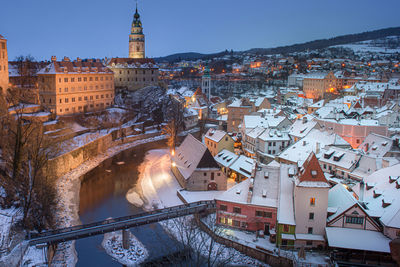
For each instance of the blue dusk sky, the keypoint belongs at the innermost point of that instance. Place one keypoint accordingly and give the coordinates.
(100, 28)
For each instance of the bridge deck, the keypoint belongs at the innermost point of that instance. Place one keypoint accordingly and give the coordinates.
(111, 225)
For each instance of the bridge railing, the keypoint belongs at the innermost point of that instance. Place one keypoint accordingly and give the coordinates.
(208, 203)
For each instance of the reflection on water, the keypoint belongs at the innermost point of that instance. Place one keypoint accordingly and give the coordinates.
(102, 195)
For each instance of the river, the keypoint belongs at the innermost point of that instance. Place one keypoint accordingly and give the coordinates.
(102, 195)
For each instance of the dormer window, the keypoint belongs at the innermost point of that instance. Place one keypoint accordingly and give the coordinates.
(338, 157)
(377, 193)
(386, 203)
(392, 179)
(328, 154)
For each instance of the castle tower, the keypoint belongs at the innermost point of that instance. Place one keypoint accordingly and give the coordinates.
(136, 38)
(3, 64)
(206, 83)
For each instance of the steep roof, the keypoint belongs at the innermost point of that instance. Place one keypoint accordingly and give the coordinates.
(191, 155)
(311, 175)
(207, 161)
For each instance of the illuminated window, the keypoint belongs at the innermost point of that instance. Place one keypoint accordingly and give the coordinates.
(312, 201)
(229, 221)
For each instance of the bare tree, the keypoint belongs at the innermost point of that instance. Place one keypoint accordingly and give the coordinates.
(175, 123)
(25, 151)
(202, 249)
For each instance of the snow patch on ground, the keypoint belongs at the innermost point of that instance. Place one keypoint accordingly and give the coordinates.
(157, 184)
(136, 254)
(134, 198)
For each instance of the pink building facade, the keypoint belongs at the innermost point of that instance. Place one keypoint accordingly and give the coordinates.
(245, 216)
(354, 133)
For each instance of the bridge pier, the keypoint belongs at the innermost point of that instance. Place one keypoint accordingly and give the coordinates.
(125, 238)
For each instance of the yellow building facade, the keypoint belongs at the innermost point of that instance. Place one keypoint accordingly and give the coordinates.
(67, 87)
(3, 64)
(132, 73)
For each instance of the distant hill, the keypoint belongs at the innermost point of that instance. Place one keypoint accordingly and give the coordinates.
(312, 45)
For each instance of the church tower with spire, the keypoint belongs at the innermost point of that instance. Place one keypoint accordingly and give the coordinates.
(136, 38)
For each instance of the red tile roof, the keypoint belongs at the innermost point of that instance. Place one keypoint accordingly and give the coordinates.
(311, 171)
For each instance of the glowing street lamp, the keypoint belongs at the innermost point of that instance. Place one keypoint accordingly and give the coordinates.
(173, 164)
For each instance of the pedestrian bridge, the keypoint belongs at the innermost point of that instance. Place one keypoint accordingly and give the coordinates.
(115, 224)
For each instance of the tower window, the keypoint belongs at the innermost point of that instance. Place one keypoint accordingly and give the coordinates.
(312, 201)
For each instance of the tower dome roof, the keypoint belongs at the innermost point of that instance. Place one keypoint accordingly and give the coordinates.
(136, 16)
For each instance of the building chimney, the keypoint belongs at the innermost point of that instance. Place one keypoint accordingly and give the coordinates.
(317, 147)
(366, 147)
(361, 196)
(78, 59)
(53, 58)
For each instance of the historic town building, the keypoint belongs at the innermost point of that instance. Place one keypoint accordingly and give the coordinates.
(3, 64)
(133, 73)
(136, 38)
(68, 87)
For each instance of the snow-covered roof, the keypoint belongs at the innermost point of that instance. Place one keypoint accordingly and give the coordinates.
(340, 157)
(300, 150)
(301, 127)
(226, 158)
(254, 133)
(265, 191)
(318, 104)
(382, 186)
(243, 165)
(74, 67)
(376, 145)
(192, 154)
(357, 239)
(215, 135)
(339, 199)
(253, 121)
(258, 191)
(274, 135)
(286, 208)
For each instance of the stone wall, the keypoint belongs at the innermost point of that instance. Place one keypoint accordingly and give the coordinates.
(66, 162)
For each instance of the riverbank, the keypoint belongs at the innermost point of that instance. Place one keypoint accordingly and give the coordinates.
(68, 188)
